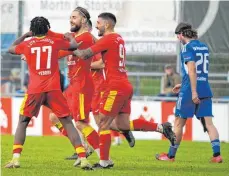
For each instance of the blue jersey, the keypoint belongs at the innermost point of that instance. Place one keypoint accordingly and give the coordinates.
(198, 52)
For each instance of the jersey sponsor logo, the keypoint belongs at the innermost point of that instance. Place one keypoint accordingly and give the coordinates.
(179, 102)
(201, 79)
(71, 63)
(46, 72)
(200, 48)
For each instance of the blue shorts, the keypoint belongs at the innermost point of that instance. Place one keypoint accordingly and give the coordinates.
(185, 108)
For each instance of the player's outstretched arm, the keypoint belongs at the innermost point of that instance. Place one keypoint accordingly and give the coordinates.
(73, 44)
(101, 45)
(18, 41)
(55, 34)
(83, 54)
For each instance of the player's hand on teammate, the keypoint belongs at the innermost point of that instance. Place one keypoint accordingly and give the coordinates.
(28, 34)
(176, 89)
(23, 57)
(195, 98)
(68, 36)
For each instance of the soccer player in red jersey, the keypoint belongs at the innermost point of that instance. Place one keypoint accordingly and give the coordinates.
(81, 83)
(98, 76)
(115, 103)
(41, 53)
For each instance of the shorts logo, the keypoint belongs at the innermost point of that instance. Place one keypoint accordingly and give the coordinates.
(179, 102)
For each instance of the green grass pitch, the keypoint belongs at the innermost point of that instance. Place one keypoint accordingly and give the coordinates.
(44, 156)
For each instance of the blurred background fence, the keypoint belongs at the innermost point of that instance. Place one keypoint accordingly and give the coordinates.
(147, 27)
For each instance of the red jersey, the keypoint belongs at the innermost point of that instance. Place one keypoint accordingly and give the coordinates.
(97, 74)
(42, 59)
(79, 69)
(113, 52)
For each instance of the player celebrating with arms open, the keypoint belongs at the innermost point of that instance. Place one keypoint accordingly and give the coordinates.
(41, 53)
(116, 100)
(194, 91)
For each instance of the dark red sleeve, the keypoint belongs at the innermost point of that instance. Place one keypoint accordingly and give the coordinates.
(54, 34)
(102, 44)
(19, 49)
(63, 53)
(62, 44)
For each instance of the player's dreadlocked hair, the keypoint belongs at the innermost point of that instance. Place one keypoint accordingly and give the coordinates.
(39, 26)
(186, 30)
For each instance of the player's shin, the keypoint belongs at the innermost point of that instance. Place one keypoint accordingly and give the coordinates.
(20, 135)
(73, 136)
(104, 145)
(55, 121)
(92, 137)
(214, 136)
(178, 130)
(19, 140)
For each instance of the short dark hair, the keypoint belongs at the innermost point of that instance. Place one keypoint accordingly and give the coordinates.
(108, 16)
(39, 25)
(83, 12)
(186, 30)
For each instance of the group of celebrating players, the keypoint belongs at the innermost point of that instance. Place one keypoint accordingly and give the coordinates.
(99, 83)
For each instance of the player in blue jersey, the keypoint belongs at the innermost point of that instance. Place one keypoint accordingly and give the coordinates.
(194, 92)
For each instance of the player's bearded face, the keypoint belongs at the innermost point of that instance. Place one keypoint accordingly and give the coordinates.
(101, 31)
(75, 27)
(75, 21)
(101, 27)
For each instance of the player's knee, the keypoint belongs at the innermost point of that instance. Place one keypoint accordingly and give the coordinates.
(179, 123)
(53, 118)
(24, 121)
(209, 123)
(80, 125)
(104, 125)
(121, 126)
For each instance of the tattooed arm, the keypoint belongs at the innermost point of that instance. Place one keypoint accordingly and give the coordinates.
(84, 54)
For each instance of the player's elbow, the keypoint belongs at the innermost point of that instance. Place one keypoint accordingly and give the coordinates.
(11, 50)
(192, 71)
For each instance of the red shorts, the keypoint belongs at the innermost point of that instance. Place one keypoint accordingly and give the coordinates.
(68, 96)
(54, 100)
(81, 100)
(97, 96)
(116, 99)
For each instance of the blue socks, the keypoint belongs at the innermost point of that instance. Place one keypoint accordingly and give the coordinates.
(173, 150)
(216, 147)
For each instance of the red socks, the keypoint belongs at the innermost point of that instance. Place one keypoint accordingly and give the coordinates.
(142, 125)
(105, 144)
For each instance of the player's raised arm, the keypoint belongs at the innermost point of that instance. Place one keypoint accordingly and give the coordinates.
(84, 54)
(17, 42)
(73, 43)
